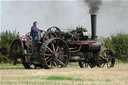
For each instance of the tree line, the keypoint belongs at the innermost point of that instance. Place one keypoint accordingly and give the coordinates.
(6, 38)
(117, 43)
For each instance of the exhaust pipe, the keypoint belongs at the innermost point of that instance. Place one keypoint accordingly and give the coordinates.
(93, 27)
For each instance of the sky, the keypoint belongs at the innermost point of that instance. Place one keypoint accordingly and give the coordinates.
(112, 17)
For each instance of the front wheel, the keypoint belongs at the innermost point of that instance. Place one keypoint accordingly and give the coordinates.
(107, 58)
(110, 59)
(16, 50)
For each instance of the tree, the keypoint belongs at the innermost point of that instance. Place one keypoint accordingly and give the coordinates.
(6, 39)
(119, 45)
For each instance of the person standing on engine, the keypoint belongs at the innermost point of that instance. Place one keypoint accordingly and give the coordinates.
(35, 33)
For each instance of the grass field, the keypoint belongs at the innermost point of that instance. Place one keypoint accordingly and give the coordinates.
(72, 75)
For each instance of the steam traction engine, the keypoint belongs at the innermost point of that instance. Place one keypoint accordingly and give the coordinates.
(56, 48)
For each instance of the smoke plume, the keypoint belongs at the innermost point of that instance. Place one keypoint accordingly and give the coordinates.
(94, 5)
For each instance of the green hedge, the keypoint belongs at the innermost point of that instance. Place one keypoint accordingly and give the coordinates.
(6, 39)
(119, 45)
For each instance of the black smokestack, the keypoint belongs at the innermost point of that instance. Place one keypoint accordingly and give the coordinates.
(93, 26)
(93, 5)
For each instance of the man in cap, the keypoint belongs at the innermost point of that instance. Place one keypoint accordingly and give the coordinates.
(35, 32)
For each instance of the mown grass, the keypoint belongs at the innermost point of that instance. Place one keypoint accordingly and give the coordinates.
(10, 66)
(71, 75)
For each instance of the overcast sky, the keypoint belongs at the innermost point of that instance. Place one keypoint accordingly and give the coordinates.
(112, 17)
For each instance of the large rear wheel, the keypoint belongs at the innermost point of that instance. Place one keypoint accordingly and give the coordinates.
(54, 53)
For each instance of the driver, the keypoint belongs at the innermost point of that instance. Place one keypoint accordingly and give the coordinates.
(35, 33)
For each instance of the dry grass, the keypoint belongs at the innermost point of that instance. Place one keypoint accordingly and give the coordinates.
(65, 76)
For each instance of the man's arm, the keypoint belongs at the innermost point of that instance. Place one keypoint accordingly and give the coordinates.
(35, 29)
(39, 30)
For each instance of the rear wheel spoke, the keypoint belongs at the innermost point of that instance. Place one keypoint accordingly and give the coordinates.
(49, 49)
(60, 62)
(57, 48)
(55, 63)
(49, 60)
(57, 44)
(51, 64)
(53, 47)
(48, 54)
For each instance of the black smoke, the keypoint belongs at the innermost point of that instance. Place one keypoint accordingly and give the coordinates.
(94, 5)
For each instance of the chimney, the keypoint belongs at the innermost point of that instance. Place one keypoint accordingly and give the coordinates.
(93, 26)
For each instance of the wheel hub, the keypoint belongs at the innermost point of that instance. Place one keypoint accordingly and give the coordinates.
(56, 55)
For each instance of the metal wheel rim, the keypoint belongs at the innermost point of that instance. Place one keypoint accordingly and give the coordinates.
(16, 50)
(56, 53)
